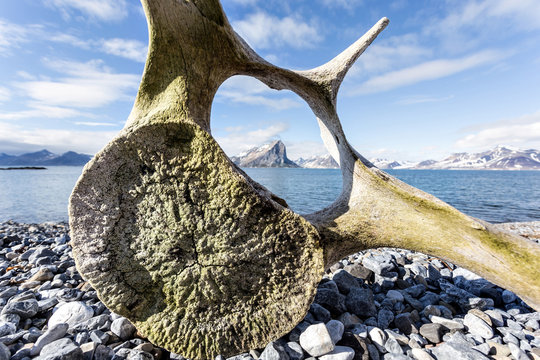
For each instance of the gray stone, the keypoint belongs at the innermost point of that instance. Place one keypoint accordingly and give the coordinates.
(349, 320)
(320, 313)
(294, 350)
(483, 348)
(99, 337)
(316, 340)
(478, 326)
(433, 332)
(274, 351)
(384, 318)
(379, 265)
(358, 271)
(345, 281)
(508, 296)
(7, 328)
(335, 329)
(517, 353)
(339, 353)
(373, 352)
(401, 339)
(143, 355)
(62, 349)
(25, 309)
(378, 337)
(71, 313)
(100, 322)
(54, 333)
(392, 346)
(5, 354)
(455, 351)
(394, 295)
(11, 338)
(360, 302)
(122, 328)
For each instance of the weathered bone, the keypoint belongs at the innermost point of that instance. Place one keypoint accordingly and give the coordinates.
(202, 259)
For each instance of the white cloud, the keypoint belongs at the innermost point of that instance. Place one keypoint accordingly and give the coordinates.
(305, 149)
(16, 139)
(390, 53)
(523, 132)
(422, 99)
(248, 90)
(262, 30)
(106, 10)
(5, 94)
(239, 139)
(86, 85)
(426, 71)
(14, 35)
(346, 4)
(43, 111)
(129, 49)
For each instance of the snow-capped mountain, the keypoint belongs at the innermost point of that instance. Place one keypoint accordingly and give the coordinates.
(318, 162)
(499, 158)
(269, 155)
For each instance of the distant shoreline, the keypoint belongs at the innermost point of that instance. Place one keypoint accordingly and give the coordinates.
(24, 168)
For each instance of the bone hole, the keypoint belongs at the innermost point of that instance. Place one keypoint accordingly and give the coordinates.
(248, 114)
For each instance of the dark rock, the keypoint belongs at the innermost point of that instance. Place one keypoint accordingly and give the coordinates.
(403, 323)
(345, 281)
(384, 318)
(62, 349)
(358, 271)
(331, 299)
(360, 301)
(320, 313)
(357, 343)
(25, 309)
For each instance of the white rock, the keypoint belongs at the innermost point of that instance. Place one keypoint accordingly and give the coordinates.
(335, 329)
(54, 333)
(421, 354)
(316, 340)
(450, 324)
(71, 313)
(517, 353)
(378, 337)
(478, 326)
(339, 353)
(122, 328)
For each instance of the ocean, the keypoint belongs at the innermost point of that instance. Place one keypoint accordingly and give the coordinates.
(35, 196)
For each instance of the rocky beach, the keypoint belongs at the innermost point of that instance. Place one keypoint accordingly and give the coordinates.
(377, 304)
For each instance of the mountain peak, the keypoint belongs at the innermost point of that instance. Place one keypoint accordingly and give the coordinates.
(45, 157)
(273, 154)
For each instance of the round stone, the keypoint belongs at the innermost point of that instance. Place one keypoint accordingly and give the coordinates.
(71, 313)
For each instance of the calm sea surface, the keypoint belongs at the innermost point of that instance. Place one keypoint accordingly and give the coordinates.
(496, 196)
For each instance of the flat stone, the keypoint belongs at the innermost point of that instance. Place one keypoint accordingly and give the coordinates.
(478, 326)
(358, 271)
(57, 331)
(71, 313)
(43, 274)
(449, 323)
(400, 338)
(433, 332)
(316, 340)
(25, 309)
(335, 329)
(517, 353)
(274, 351)
(7, 328)
(482, 315)
(498, 349)
(421, 354)
(360, 301)
(88, 350)
(379, 265)
(62, 349)
(455, 351)
(394, 295)
(339, 353)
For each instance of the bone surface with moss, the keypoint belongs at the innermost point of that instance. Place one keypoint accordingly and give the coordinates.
(205, 261)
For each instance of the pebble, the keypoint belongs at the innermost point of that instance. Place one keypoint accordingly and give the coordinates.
(316, 340)
(339, 353)
(54, 333)
(335, 329)
(71, 313)
(477, 326)
(433, 332)
(62, 349)
(122, 328)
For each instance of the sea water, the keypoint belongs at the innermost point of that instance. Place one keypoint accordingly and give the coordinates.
(35, 196)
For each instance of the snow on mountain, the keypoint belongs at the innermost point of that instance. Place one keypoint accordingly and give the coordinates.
(268, 155)
(318, 162)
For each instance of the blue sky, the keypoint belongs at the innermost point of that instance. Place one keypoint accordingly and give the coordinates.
(445, 76)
